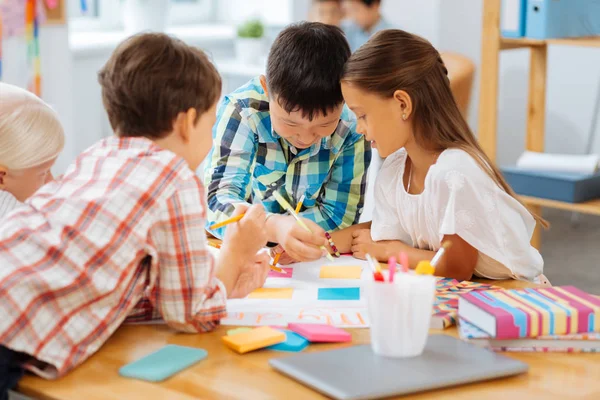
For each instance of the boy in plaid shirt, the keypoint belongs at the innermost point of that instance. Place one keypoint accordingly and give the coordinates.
(125, 222)
(290, 132)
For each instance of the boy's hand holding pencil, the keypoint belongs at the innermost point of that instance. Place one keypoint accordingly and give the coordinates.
(238, 267)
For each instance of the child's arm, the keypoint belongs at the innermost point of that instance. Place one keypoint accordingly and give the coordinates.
(343, 197)
(459, 262)
(227, 172)
(343, 238)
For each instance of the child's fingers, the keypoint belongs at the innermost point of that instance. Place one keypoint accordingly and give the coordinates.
(302, 252)
(256, 213)
(309, 238)
(240, 208)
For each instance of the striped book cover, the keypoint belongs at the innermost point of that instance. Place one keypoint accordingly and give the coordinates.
(574, 343)
(511, 314)
(445, 306)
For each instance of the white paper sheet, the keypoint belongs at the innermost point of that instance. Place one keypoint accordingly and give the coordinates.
(304, 306)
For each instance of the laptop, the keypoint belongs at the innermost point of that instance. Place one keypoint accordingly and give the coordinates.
(356, 373)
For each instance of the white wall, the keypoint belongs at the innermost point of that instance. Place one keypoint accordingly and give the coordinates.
(573, 82)
(57, 82)
(421, 18)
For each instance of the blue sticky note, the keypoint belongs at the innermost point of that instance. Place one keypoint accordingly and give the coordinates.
(341, 293)
(293, 342)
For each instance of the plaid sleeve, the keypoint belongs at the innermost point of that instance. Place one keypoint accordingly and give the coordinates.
(228, 174)
(342, 199)
(188, 295)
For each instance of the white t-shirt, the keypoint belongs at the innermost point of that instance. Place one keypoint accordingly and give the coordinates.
(459, 198)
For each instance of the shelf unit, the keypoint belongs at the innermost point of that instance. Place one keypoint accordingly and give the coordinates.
(492, 43)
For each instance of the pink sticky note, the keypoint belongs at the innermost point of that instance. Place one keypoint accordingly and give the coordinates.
(275, 274)
(321, 333)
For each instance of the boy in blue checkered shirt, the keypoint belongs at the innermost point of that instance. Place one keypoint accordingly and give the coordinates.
(290, 132)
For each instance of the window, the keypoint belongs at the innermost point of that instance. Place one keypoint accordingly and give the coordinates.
(108, 14)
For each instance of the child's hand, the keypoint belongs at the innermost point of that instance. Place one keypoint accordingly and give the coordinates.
(362, 244)
(247, 236)
(284, 258)
(300, 244)
(252, 276)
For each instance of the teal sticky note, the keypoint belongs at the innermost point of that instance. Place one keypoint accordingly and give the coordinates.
(163, 363)
(341, 293)
(293, 342)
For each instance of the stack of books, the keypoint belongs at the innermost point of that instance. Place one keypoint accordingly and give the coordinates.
(563, 319)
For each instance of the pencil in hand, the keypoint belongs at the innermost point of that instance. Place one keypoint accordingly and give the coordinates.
(227, 221)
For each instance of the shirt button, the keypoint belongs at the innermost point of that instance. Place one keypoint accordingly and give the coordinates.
(273, 184)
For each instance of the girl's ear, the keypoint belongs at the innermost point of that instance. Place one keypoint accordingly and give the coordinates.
(404, 102)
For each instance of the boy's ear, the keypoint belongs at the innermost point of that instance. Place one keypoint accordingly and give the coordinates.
(184, 124)
(263, 83)
(405, 103)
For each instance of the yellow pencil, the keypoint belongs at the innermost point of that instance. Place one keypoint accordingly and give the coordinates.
(299, 205)
(276, 258)
(286, 206)
(215, 245)
(227, 222)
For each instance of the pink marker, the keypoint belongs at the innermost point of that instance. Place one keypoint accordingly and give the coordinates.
(404, 261)
(392, 267)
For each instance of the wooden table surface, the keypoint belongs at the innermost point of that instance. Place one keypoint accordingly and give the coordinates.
(227, 375)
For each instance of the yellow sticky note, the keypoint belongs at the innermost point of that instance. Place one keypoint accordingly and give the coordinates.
(272, 293)
(340, 272)
(254, 339)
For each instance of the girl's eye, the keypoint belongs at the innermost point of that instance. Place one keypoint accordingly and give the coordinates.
(362, 117)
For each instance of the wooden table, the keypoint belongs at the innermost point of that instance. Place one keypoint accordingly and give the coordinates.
(227, 375)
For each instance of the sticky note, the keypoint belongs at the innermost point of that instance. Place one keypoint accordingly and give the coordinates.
(232, 332)
(293, 343)
(342, 293)
(288, 274)
(321, 333)
(272, 293)
(255, 339)
(340, 272)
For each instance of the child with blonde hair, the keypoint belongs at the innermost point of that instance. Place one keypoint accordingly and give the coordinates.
(31, 137)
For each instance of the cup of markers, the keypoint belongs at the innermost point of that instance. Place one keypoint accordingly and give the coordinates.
(400, 306)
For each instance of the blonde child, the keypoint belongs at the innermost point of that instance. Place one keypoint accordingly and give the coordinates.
(436, 183)
(31, 137)
(126, 221)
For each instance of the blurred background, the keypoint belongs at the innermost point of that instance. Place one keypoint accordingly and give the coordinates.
(72, 52)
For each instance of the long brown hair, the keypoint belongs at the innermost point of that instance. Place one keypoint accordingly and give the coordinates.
(397, 60)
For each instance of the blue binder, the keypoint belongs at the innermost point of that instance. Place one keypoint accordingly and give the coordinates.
(513, 18)
(550, 19)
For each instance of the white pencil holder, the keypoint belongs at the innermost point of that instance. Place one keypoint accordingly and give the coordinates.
(400, 314)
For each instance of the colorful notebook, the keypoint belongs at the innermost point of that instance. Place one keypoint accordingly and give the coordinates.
(576, 343)
(511, 314)
(445, 306)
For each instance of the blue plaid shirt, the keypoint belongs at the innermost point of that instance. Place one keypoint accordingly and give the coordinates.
(248, 157)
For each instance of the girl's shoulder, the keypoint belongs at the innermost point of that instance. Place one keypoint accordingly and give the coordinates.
(457, 162)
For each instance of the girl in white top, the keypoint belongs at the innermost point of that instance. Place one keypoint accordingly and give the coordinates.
(31, 138)
(436, 183)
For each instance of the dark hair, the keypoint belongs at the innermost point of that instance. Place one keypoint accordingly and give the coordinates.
(305, 66)
(151, 78)
(397, 60)
(327, 1)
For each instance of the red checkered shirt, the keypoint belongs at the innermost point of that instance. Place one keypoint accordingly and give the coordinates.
(125, 222)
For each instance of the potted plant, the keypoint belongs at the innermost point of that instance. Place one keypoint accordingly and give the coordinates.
(145, 15)
(249, 45)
